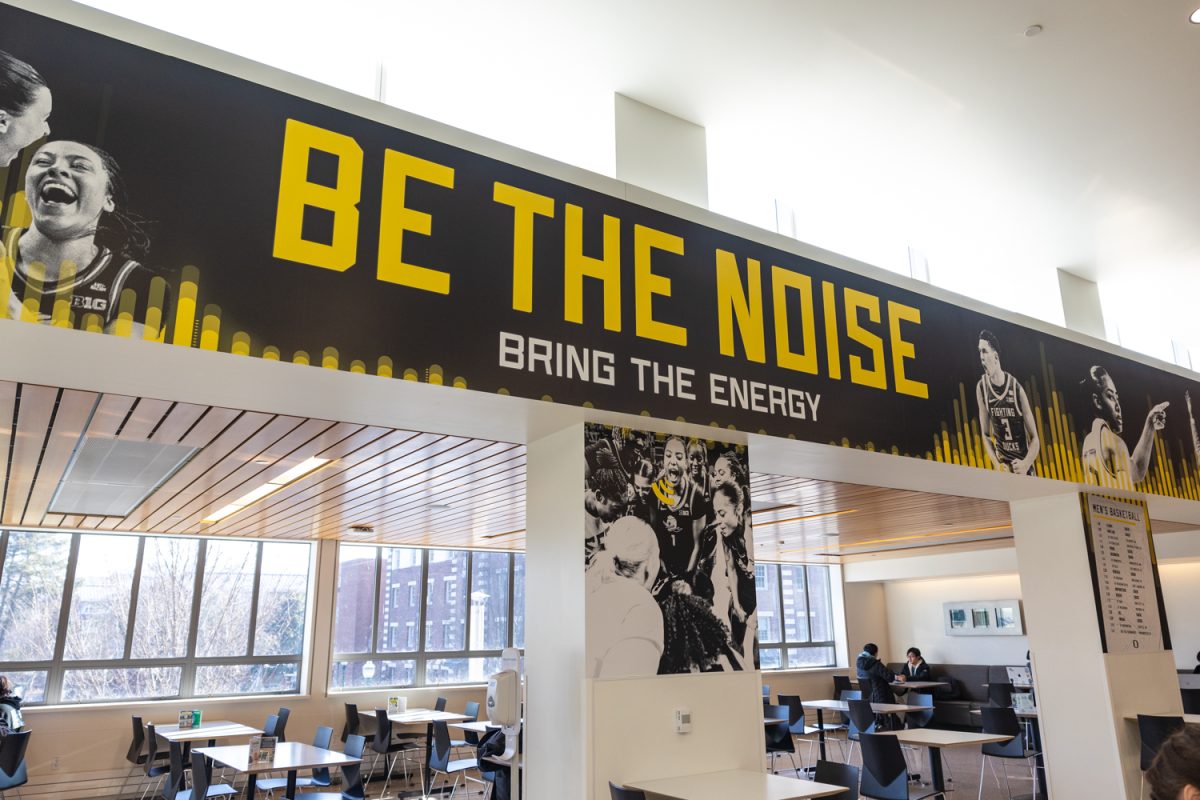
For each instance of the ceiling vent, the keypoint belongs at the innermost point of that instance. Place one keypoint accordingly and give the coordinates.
(111, 477)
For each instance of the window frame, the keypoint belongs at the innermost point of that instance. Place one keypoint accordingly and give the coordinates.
(784, 645)
(58, 665)
(422, 656)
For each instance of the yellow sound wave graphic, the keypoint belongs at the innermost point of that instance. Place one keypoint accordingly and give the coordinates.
(664, 490)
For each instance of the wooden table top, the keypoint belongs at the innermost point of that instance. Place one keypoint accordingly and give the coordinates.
(735, 783)
(878, 708)
(288, 756)
(932, 737)
(917, 684)
(216, 729)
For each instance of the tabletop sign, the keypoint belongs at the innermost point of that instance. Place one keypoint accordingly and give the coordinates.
(189, 719)
(1129, 604)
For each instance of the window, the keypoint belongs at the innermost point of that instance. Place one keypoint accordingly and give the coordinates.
(795, 616)
(453, 632)
(150, 616)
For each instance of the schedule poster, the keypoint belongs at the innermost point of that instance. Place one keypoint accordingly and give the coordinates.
(1129, 604)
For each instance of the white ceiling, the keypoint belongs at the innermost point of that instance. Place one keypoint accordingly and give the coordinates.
(934, 124)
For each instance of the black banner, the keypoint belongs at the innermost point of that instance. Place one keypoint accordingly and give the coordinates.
(254, 222)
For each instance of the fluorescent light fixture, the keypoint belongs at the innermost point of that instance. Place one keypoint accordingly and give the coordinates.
(270, 487)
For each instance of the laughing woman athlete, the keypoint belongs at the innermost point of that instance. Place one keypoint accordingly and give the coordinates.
(75, 266)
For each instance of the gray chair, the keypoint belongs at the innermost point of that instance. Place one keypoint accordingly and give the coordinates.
(440, 762)
(838, 774)
(1004, 722)
(12, 760)
(779, 737)
(884, 773)
(352, 780)
(201, 785)
(320, 776)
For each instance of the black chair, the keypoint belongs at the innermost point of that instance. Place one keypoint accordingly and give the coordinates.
(388, 747)
(12, 760)
(353, 725)
(201, 786)
(839, 775)
(470, 738)
(884, 773)
(440, 762)
(281, 725)
(621, 793)
(174, 789)
(154, 765)
(841, 683)
(270, 725)
(352, 780)
(439, 704)
(136, 754)
(862, 720)
(1004, 722)
(919, 719)
(1191, 700)
(320, 775)
(1000, 694)
(1153, 732)
(796, 722)
(779, 737)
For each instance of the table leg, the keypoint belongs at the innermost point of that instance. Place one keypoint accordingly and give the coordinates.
(290, 793)
(821, 733)
(1035, 742)
(250, 785)
(936, 778)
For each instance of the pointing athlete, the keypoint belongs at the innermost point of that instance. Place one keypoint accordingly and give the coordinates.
(1009, 433)
(1106, 460)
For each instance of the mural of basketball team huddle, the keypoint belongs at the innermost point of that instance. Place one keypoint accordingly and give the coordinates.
(670, 567)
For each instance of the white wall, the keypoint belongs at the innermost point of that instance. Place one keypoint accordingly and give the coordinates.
(914, 619)
(866, 618)
(1181, 594)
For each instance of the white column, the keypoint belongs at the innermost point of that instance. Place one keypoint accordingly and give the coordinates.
(555, 746)
(1082, 693)
(1081, 304)
(661, 152)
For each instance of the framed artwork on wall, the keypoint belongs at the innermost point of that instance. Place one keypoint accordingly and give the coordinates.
(983, 618)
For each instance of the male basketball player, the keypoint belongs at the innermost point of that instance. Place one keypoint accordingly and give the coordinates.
(1106, 460)
(1009, 432)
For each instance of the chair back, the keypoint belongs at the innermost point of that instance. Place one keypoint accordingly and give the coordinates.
(472, 712)
(383, 732)
(838, 774)
(281, 726)
(779, 737)
(1154, 731)
(270, 725)
(350, 726)
(862, 718)
(175, 774)
(919, 719)
(439, 754)
(1191, 701)
(322, 739)
(795, 709)
(884, 773)
(1000, 694)
(352, 783)
(151, 748)
(1003, 722)
(621, 793)
(439, 704)
(766, 687)
(200, 776)
(841, 683)
(135, 755)
(12, 757)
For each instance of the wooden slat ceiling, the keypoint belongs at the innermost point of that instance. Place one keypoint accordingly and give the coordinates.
(408, 487)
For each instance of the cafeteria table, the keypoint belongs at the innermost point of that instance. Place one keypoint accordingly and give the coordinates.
(742, 784)
(210, 731)
(917, 684)
(935, 740)
(289, 756)
(841, 705)
(426, 717)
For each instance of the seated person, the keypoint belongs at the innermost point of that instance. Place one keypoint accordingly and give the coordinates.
(10, 707)
(915, 669)
(873, 674)
(1196, 669)
(1175, 773)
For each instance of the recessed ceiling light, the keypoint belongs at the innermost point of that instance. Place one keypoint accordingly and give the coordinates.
(1196, 16)
(270, 487)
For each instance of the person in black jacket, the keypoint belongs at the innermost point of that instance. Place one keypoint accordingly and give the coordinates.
(10, 707)
(915, 669)
(873, 674)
